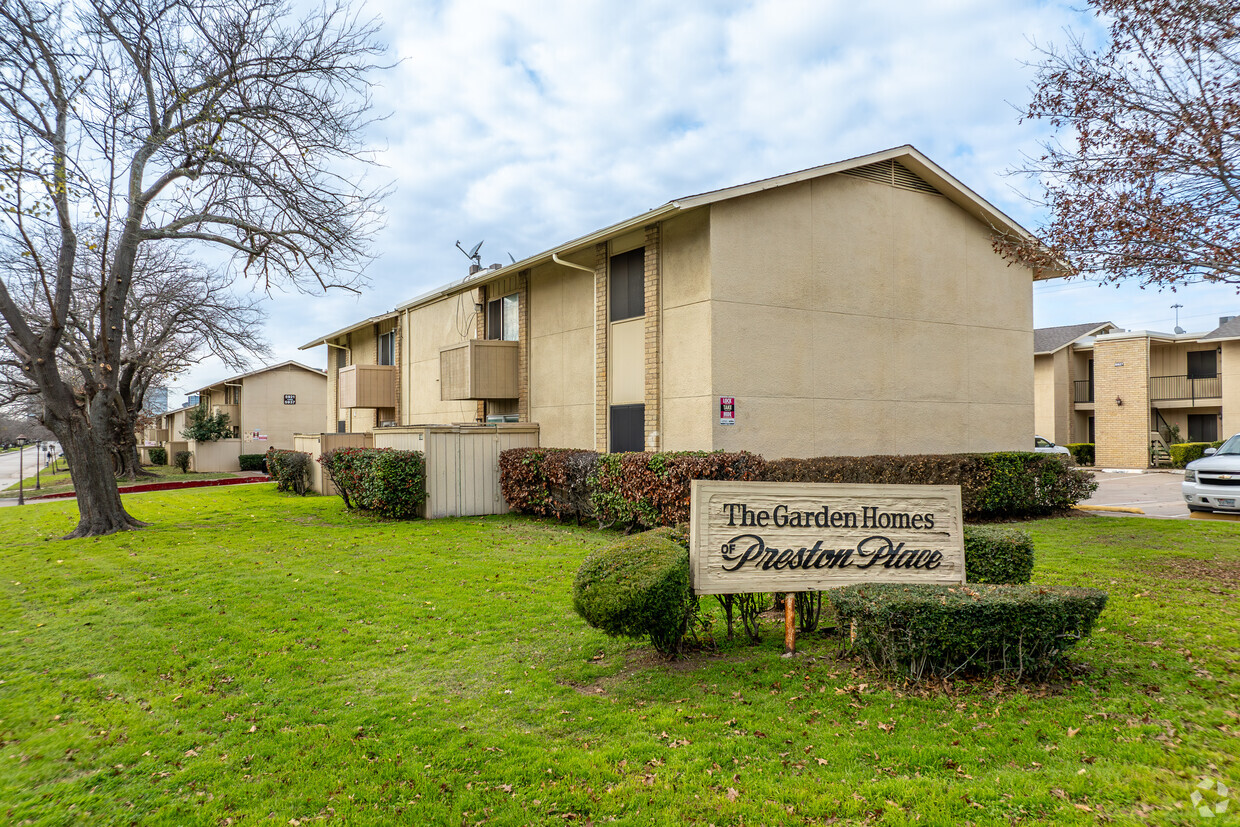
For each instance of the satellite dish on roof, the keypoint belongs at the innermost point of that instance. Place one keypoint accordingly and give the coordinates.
(1179, 329)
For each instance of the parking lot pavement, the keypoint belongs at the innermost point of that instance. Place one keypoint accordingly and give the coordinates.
(1156, 493)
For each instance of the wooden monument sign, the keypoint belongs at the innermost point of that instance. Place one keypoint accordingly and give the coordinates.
(796, 537)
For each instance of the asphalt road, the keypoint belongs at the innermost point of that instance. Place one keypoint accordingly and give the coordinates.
(1156, 493)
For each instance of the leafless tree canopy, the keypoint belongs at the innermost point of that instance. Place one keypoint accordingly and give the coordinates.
(1143, 178)
(131, 123)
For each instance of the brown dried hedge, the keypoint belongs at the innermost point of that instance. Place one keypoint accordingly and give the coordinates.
(645, 489)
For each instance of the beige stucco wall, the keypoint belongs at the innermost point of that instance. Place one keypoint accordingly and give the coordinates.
(686, 363)
(263, 408)
(851, 317)
(424, 330)
(561, 363)
(1052, 396)
(1229, 369)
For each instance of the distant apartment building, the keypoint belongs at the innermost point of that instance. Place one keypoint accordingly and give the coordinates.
(1098, 383)
(265, 408)
(853, 308)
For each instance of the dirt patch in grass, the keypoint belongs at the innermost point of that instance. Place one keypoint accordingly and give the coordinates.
(1220, 572)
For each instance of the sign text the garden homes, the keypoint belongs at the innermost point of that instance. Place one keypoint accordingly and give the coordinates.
(795, 537)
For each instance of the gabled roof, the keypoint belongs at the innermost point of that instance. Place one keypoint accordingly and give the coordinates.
(1050, 339)
(1227, 330)
(906, 156)
(391, 314)
(282, 365)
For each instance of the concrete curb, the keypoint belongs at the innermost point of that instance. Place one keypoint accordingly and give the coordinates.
(163, 486)
(1114, 509)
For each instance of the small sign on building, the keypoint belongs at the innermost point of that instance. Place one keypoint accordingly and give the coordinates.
(796, 537)
(727, 410)
(290, 399)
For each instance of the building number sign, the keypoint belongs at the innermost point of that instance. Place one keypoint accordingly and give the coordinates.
(290, 399)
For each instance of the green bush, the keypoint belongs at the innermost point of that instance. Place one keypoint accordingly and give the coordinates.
(996, 554)
(204, 426)
(159, 456)
(925, 630)
(383, 480)
(1082, 452)
(1182, 453)
(1003, 484)
(253, 462)
(290, 470)
(182, 459)
(637, 587)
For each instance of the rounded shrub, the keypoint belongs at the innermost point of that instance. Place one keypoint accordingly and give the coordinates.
(159, 456)
(925, 630)
(182, 459)
(637, 587)
(997, 554)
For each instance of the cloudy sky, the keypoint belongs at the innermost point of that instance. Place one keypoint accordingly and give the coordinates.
(526, 124)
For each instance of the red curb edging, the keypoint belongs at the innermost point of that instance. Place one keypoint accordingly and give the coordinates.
(166, 486)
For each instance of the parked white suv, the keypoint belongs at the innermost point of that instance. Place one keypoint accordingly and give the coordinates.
(1042, 445)
(1212, 483)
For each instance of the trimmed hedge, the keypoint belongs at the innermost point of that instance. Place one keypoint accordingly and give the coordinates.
(159, 456)
(383, 480)
(253, 462)
(645, 489)
(637, 587)
(1182, 453)
(549, 482)
(1002, 484)
(1082, 452)
(925, 630)
(996, 554)
(290, 470)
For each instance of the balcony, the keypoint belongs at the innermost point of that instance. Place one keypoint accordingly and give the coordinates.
(1188, 388)
(155, 435)
(367, 386)
(1083, 391)
(478, 369)
(233, 411)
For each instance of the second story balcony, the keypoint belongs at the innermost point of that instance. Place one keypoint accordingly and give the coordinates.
(1185, 387)
(367, 386)
(1083, 391)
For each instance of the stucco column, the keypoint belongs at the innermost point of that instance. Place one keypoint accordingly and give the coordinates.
(523, 346)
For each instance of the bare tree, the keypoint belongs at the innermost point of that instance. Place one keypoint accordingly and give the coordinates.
(235, 125)
(1142, 180)
(178, 311)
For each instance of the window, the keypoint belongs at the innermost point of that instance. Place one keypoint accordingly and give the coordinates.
(628, 428)
(341, 427)
(1202, 427)
(342, 358)
(502, 321)
(627, 292)
(1202, 364)
(387, 348)
(232, 395)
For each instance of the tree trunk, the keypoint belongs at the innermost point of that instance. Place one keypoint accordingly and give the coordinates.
(94, 483)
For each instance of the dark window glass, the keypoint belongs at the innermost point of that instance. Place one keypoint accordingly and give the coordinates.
(387, 348)
(502, 321)
(342, 358)
(340, 426)
(1202, 364)
(1202, 427)
(628, 428)
(628, 285)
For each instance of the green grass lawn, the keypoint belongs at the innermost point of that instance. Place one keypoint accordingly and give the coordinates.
(56, 483)
(262, 658)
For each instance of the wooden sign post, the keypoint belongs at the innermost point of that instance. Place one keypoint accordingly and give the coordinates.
(798, 537)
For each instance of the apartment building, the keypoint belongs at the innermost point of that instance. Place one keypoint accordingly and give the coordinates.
(853, 308)
(1098, 383)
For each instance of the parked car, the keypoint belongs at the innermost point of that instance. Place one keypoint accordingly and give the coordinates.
(1212, 483)
(1044, 446)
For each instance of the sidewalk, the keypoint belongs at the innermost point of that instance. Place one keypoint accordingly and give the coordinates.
(241, 478)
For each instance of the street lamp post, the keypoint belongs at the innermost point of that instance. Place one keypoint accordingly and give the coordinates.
(38, 457)
(21, 471)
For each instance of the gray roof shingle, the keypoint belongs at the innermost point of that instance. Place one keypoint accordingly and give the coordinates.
(1051, 339)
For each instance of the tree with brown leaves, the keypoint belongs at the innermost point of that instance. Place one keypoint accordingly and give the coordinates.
(1142, 178)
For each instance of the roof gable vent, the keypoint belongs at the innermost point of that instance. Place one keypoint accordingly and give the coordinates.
(893, 174)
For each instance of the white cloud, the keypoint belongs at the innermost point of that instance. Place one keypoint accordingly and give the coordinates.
(530, 124)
